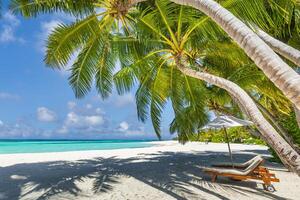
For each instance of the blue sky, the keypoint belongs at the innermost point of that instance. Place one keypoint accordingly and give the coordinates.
(37, 102)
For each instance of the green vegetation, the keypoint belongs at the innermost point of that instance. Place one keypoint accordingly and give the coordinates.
(289, 123)
(235, 135)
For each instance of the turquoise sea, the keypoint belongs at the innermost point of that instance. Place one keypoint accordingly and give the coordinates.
(39, 146)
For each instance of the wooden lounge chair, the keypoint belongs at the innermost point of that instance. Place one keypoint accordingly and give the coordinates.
(236, 165)
(254, 171)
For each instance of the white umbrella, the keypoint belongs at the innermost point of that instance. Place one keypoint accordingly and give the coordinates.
(223, 122)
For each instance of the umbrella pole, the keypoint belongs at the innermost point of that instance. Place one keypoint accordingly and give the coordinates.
(230, 153)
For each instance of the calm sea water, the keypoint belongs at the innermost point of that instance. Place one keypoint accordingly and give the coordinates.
(39, 146)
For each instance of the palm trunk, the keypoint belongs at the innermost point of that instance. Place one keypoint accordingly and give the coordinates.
(287, 154)
(283, 76)
(297, 112)
(286, 51)
(283, 49)
(273, 121)
(297, 116)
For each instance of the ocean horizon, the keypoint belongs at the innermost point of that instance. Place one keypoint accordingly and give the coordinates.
(16, 146)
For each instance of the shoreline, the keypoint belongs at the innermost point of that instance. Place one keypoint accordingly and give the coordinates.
(17, 158)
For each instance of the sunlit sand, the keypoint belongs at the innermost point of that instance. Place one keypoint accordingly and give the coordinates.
(167, 170)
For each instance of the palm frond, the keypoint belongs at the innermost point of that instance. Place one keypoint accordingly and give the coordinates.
(107, 60)
(65, 40)
(83, 69)
(32, 8)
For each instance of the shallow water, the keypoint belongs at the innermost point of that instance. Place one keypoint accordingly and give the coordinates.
(40, 146)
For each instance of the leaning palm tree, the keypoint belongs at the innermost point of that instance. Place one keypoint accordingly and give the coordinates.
(242, 71)
(285, 35)
(286, 51)
(96, 34)
(280, 47)
(176, 52)
(285, 78)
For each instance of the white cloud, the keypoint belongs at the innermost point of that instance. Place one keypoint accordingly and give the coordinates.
(75, 121)
(11, 19)
(7, 34)
(4, 95)
(89, 106)
(72, 119)
(124, 100)
(138, 132)
(46, 29)
(9, 25)
(124, 126)
(49, 26)
(71, 105)
(83, 119)
(63, 130)
(67, 70)
(18, 130)
(94, 120)
(45, 115)
(99, 111)
(86, 109)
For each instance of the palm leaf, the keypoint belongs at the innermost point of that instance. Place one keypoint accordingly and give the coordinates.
(85, 66)
(65, 40)
(32, 8)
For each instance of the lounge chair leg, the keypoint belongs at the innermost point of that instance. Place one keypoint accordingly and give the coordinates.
(214, 178)
(266, 178)
(269, 188)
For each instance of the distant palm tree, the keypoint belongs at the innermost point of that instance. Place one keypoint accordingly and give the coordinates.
(105, 34)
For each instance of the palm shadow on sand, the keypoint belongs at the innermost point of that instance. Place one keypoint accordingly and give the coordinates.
(172, 173)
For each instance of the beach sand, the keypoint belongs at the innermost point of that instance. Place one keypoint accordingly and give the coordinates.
(166, 171)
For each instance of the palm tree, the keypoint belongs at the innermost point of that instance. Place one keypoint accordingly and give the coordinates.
(175, 50)
(285, 78)
(281, 48)
(90, 36)
(99, 51)
(271, 102)
(285, 31)
(286, 51)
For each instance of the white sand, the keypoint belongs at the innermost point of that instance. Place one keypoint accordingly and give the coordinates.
(167, 170)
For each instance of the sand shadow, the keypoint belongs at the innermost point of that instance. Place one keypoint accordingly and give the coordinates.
(178, 175)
